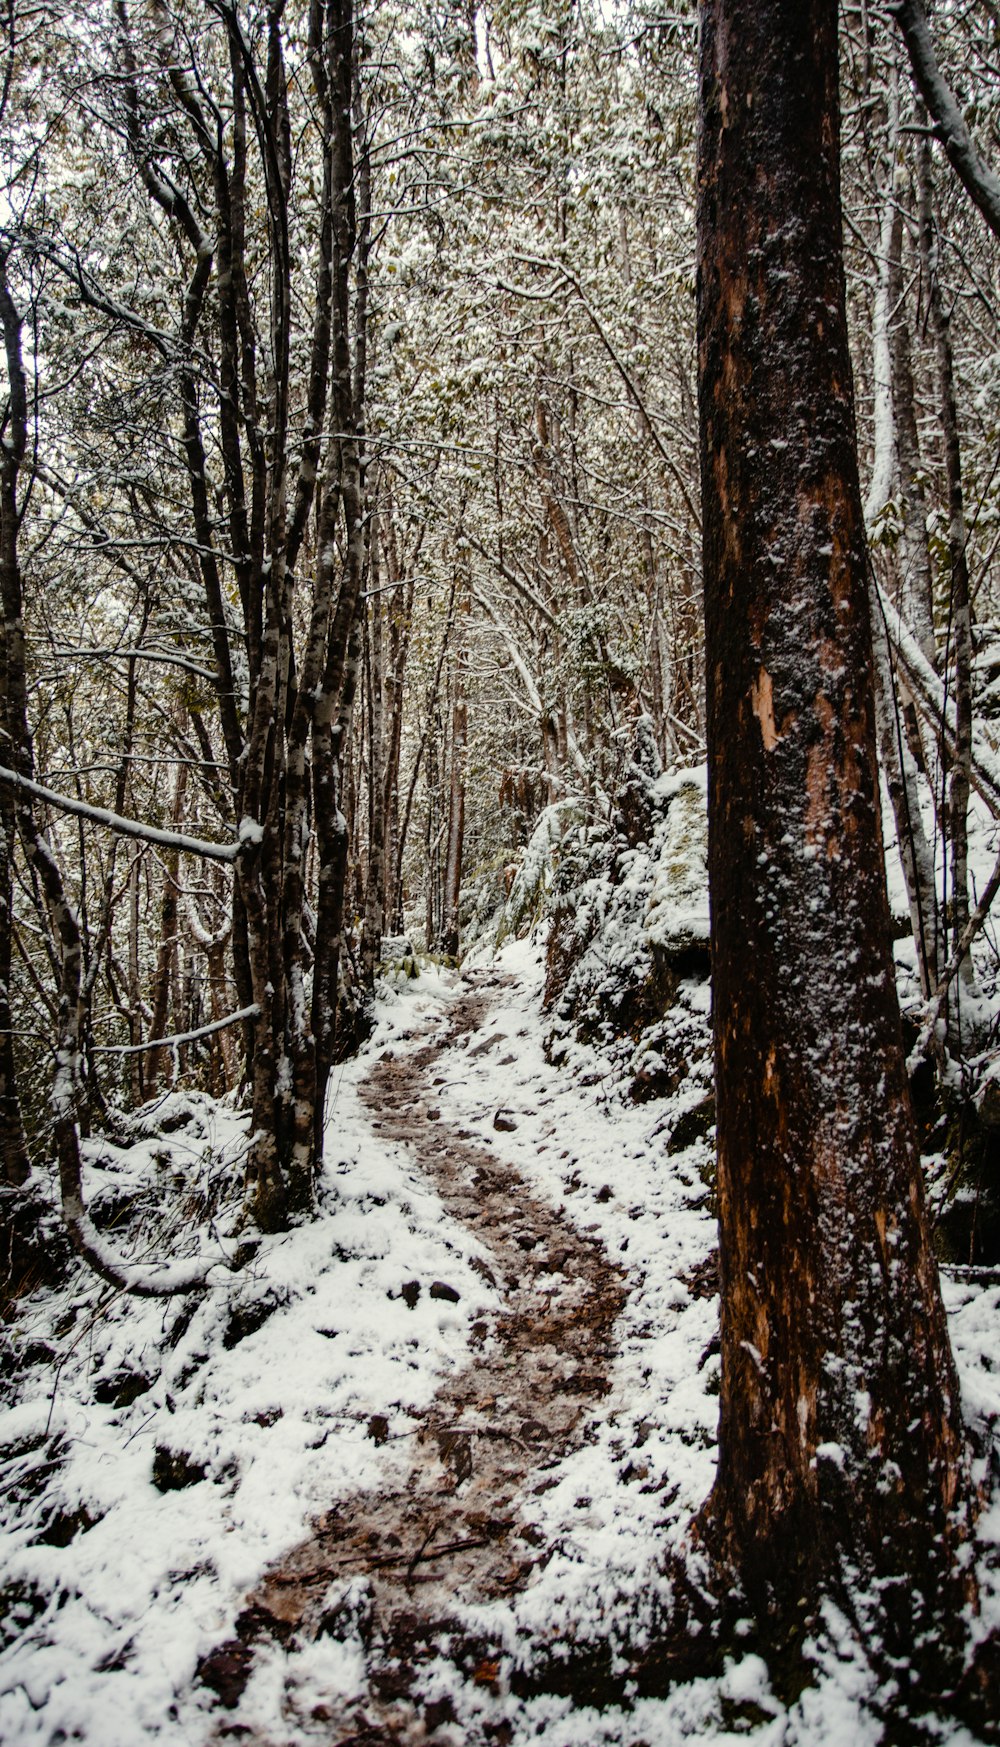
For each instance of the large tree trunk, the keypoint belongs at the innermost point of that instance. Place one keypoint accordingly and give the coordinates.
(840, 1435)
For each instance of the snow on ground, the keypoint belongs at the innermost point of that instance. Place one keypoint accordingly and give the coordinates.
(116, 1578)
(102, 1636)
(602, 1160)
(613, 1507)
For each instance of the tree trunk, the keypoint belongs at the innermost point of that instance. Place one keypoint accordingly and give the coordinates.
(166, 957)
(456, 789)
(841, 1459)
(432, 836)
(960, 616)
(137, 1077)
(916, 853)
(374, 919)
(400, 627)
(918, 589)
(14, 1167)
(13, 1146)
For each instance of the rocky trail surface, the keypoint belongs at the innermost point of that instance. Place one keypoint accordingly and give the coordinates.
(449, 1533)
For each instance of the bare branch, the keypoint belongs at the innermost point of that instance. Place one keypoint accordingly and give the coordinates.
(978, 180)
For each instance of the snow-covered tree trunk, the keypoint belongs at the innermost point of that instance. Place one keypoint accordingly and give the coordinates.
(136, 1013)
(13, 1145)
(841, 1457)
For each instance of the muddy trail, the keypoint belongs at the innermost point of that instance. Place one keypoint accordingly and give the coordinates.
(392, 1566)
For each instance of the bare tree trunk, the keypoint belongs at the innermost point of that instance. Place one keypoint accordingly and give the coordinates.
(841, 1464)
(136, 1066)
(421, 761)
(400, 627)
(432, 836)
(456, 789)
(166, 956)
(918, 589)
(374, 920)
(13, 1145)
(916, 854)
(213, 944)
(960, 618)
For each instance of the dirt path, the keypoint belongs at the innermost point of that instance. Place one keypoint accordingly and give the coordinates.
(451, 1531)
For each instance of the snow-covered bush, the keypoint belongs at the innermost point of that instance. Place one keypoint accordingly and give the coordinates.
(526, 901)
(628, 948)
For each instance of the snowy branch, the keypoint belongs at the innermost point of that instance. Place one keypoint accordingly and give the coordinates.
(251, 1012)
(148, 1280)
(930, 697)
(626, 376)
(226, 852)
(932, 1011)
(979, 181)
(163, 655)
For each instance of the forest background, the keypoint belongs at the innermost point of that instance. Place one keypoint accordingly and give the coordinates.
(351, 498)
(350, 550)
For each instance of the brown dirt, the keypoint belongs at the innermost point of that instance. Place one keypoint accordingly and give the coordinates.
(451, 1530)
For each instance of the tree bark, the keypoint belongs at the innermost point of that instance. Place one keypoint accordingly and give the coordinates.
(918, 588)
(166, 955)
(841, 1458)
(960, 614)
(450, 925)
(979, 181)
(916, 853)
(374, 919)
(13, 1145)
(283, 758)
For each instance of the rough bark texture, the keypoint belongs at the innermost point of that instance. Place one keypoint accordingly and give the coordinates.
(841, 1449)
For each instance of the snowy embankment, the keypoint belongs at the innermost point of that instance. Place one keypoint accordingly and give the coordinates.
(156, 1461)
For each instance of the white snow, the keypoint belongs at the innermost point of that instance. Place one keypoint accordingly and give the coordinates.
(103, 1635)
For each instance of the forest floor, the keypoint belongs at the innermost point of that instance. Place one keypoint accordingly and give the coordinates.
(418, 1472)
